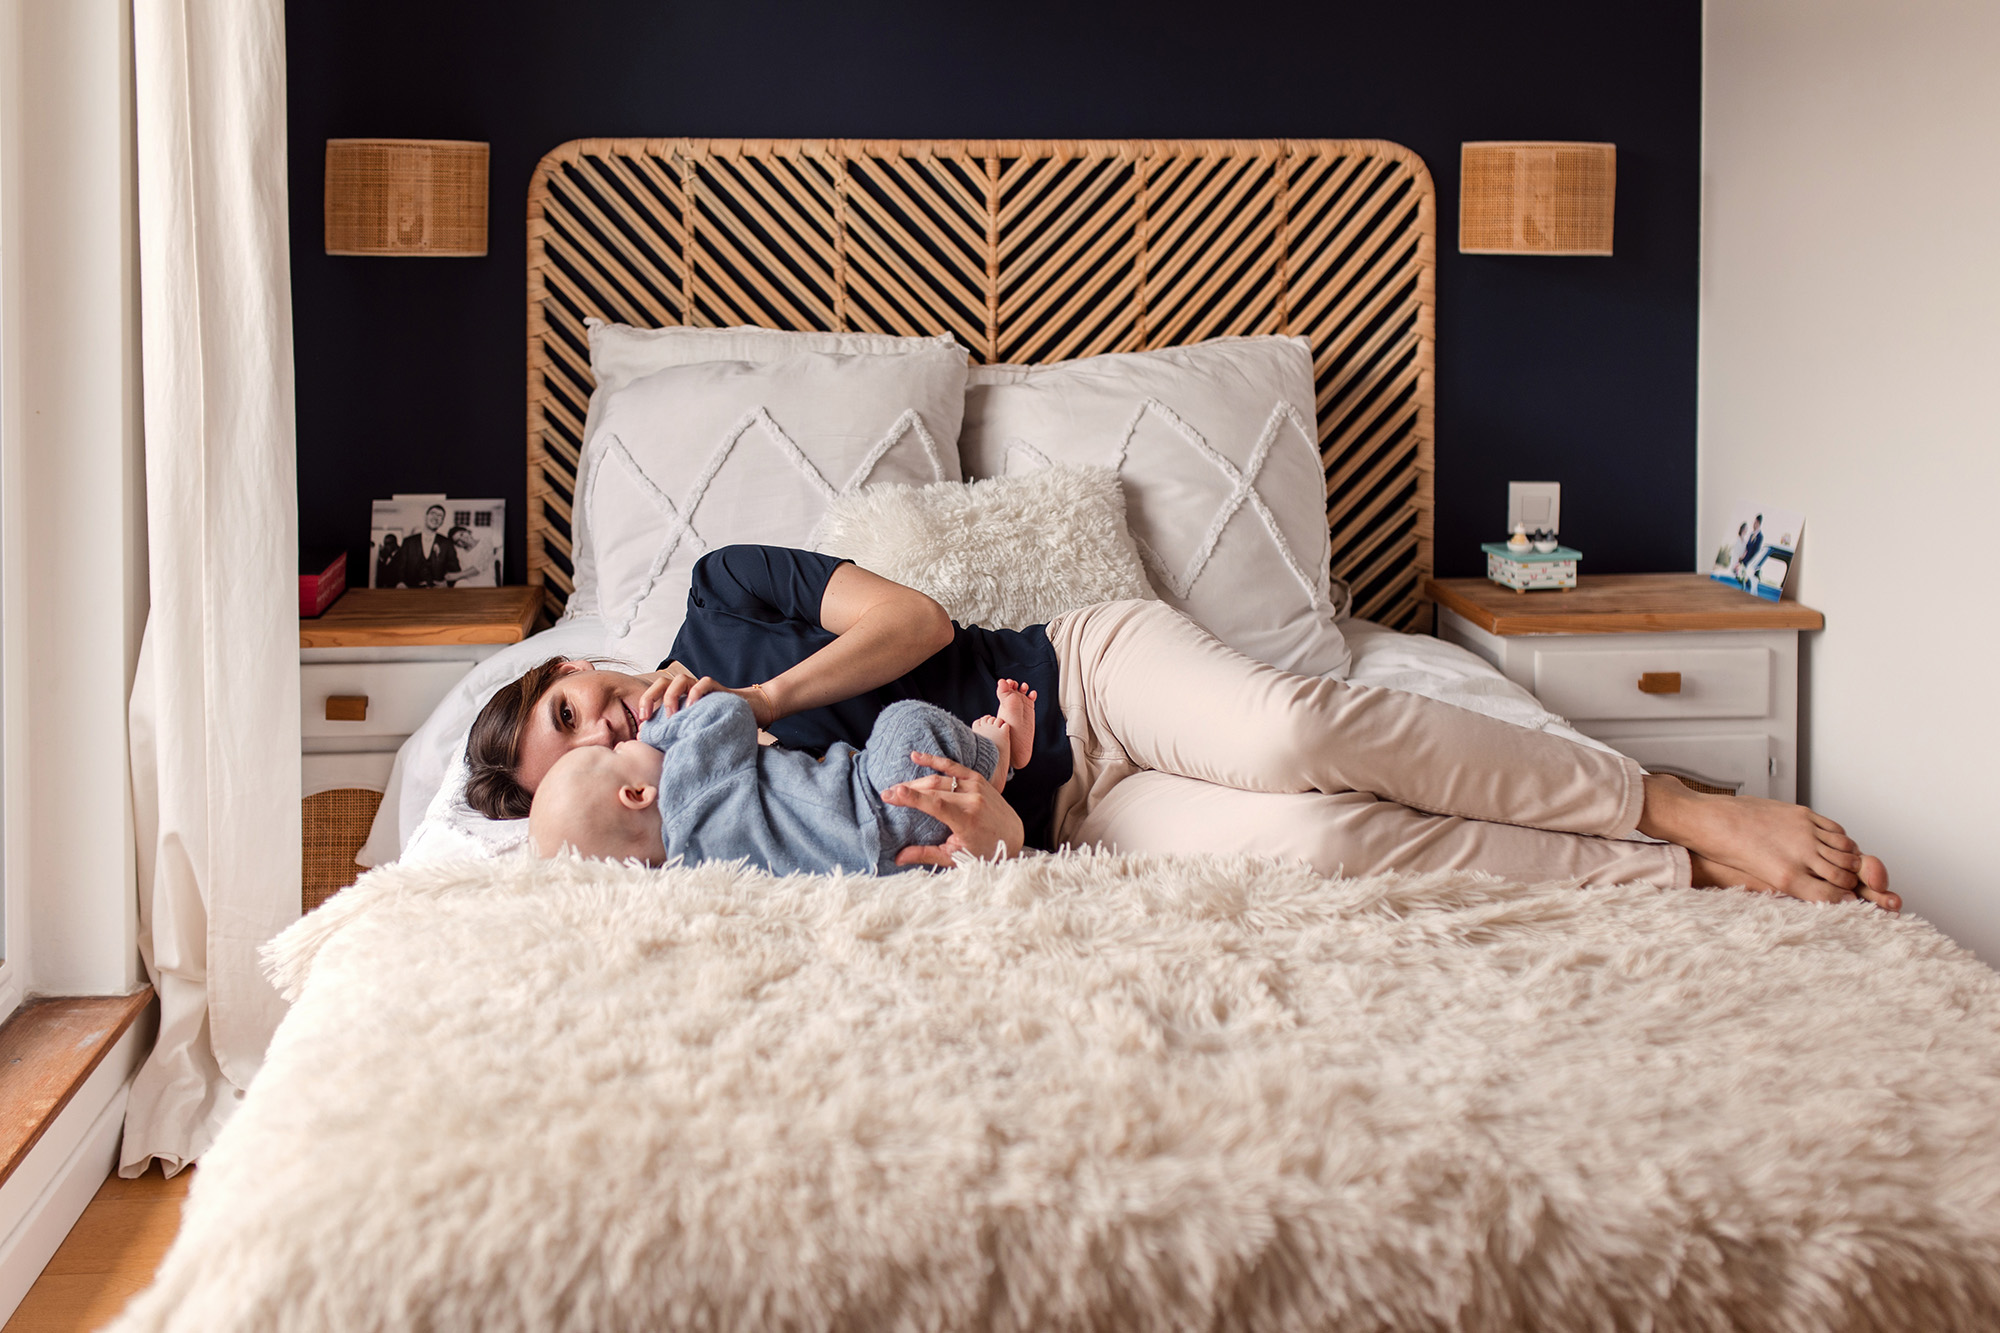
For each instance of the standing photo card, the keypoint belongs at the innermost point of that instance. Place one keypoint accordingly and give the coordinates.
(1756, 552)
(432, 541)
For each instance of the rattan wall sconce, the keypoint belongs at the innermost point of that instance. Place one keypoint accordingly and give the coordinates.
(406, 197)
(1536, 198)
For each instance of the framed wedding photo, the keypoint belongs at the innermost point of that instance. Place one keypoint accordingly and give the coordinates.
(432, 541)
(1756, 552)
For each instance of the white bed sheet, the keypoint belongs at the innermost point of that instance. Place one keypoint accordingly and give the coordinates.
(423, 816)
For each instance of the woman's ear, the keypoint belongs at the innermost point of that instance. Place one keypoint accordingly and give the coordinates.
(574, 665)
(635, 797)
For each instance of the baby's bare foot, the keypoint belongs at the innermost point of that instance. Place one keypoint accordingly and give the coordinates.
(1017, 710)
(1000, 733)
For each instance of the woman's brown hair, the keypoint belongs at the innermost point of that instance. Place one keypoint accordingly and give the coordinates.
(494, 747)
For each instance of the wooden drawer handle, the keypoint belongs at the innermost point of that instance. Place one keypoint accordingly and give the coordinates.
(1659, 682)
(354, 707)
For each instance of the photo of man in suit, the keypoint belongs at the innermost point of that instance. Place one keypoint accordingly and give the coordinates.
(1752, 548)
(388, 561)
(434, 557)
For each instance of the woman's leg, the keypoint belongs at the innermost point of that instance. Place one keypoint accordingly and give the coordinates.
(1353, 833)
(1143, 687)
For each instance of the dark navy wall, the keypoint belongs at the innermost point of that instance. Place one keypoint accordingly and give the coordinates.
(411, 372)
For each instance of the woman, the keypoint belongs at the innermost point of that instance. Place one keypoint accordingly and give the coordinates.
(1159, 738)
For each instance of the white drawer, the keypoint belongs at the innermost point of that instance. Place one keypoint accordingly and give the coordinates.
(400, 695)
(368, 770)
(1741, 763)
(1585, 684)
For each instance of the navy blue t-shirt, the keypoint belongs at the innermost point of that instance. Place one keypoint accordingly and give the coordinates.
(753, 611)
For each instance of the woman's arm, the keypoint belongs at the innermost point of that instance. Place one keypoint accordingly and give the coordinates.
(884, 631)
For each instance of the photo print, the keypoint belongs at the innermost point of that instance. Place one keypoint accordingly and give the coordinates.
(1756, 552)
(432, 541)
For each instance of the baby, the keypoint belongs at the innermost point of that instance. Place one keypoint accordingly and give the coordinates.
(697, 785)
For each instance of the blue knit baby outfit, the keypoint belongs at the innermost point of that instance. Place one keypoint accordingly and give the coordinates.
(724, 797)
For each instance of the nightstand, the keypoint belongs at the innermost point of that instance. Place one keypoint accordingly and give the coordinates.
(1686, 675)
(370, 671)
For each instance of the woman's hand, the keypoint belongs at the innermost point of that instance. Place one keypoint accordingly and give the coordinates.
(664, 695)
(980, 820)
(675, 691)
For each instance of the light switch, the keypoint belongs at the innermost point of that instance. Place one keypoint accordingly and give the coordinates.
(1538, 504)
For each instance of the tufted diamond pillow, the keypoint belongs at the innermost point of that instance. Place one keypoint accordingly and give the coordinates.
(1217, 447)
(621, 354)
(695, 457)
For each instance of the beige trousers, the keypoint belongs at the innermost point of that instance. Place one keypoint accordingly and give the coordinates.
(1183, 744)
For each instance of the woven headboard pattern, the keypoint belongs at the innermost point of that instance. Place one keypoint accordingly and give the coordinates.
(1026, 251)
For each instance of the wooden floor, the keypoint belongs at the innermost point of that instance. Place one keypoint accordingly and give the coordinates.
(110, 1254)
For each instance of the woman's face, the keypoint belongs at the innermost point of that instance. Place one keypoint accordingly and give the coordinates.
(585, 706)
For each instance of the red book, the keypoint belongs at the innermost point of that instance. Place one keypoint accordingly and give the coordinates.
(322, 578)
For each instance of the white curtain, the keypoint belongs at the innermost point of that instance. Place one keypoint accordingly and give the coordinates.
(215, 710)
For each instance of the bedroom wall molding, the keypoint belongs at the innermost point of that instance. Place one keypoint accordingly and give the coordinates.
(72, 486)
(1025, 251)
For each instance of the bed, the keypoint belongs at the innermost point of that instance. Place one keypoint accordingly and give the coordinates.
(1084, 1090)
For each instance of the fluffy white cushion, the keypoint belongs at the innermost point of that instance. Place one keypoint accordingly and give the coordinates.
(1217, 447)
(1005, 552)
(699, 456)
(620, 354)
(1099, 1092)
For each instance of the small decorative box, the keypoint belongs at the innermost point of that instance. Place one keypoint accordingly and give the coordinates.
(322, 578)
(1530, 570)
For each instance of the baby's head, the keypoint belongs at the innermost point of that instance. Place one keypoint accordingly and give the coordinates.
(601, 801)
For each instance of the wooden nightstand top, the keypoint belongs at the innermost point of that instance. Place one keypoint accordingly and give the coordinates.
(400, 617)
(1618, 604)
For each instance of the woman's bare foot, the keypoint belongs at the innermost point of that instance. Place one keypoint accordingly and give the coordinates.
(1001, 734)
(1017, 710)
(1767, 845)
(1711, 874)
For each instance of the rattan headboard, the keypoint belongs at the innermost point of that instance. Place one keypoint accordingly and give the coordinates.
(1025, 251)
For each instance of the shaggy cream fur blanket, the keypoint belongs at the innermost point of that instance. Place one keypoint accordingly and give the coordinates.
(1100, 1092)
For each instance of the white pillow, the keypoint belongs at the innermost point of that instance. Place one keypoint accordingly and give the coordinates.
(620, 354)
(1218, 450)
(700, 456)
(1006, 552)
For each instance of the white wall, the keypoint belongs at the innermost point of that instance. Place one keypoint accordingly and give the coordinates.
(73, 489)
(1850, 368)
